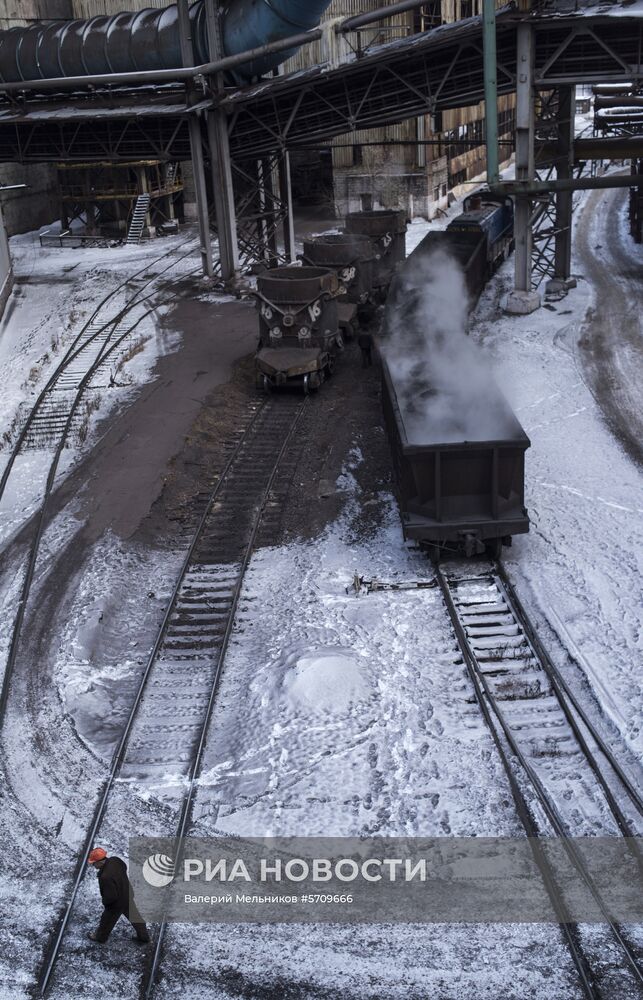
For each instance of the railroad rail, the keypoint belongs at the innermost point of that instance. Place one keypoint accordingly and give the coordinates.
(46, 417)
(535, 720)
(169, 720)
(52, 416)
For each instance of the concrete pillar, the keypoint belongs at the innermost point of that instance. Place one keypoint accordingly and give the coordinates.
(522, 299)
(564, 169)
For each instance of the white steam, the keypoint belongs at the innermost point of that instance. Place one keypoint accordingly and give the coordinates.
(444, 386)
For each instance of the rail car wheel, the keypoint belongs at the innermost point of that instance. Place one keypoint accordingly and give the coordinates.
(267, 388)
(306, 385)
(493, 548)
(434, 553)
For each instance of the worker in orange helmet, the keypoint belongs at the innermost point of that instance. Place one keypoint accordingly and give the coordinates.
(117, 896)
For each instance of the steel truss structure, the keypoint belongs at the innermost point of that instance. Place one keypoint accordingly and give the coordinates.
(262, 210)
(442, 68)
(554, 112)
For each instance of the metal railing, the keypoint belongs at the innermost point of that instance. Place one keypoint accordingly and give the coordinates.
(66, 238)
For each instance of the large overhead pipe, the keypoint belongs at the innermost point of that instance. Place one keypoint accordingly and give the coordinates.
(148, 40)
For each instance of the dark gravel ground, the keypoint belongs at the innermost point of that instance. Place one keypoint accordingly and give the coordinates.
(345, 414)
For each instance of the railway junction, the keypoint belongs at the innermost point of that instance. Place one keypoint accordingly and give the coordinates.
(243, 599)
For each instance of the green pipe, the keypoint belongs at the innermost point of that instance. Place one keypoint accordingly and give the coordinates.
(490, 89)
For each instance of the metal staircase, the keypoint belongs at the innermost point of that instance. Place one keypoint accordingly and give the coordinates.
(137, 221)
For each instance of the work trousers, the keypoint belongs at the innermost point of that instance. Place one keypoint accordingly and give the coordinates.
(110, 917)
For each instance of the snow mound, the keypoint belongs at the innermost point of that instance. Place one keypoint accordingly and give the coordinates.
(329, 678)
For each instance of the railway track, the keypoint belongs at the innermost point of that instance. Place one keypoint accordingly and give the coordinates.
(164, 738)
(549, 746)
(51, 419)
(46, 418)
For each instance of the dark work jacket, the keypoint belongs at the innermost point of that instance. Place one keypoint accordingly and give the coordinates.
(114, 885)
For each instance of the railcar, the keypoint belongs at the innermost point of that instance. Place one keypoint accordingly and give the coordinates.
(351, 256)
(387, 231)
(299, 333)
(478, 239)
(456, 494)
(468, 248)
(458, 449)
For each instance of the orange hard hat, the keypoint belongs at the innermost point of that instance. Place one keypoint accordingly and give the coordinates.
(98, 854)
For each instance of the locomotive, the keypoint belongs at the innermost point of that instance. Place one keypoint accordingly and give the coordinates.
(479, 239)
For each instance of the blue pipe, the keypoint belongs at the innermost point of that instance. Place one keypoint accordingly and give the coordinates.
(249, 23)
(149, 40)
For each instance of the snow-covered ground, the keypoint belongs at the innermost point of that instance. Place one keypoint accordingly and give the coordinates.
(347, 714)
(582, 562)
(55, 293)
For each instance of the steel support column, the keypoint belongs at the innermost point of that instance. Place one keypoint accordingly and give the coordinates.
(220, 164)
(523, 299)
(285, 194)
(564, 171)
(196, 148)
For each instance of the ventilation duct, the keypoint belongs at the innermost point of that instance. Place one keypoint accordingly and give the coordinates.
(149, 40)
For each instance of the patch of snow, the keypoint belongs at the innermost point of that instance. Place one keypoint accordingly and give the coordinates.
(327, 679)
(581, 564)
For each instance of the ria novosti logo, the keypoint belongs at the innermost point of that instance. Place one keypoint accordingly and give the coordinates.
(158, 870)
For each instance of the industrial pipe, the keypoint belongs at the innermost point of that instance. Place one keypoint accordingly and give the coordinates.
(148, 41)
(618, 101)
(53, 77)
(248, 24)
(613, 148)
(379, 14)
(146, 77)
(568, 184)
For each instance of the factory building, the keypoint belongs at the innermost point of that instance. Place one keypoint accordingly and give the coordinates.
(415, 165)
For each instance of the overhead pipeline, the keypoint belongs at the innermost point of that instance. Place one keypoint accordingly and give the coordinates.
(149, 40)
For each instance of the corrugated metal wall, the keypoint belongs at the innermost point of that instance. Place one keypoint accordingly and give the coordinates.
(358, 160)
(14, 13)
(369, 157)
(90, 8)
(25, 210)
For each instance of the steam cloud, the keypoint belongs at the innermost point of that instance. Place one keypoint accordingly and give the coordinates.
(444, 386)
